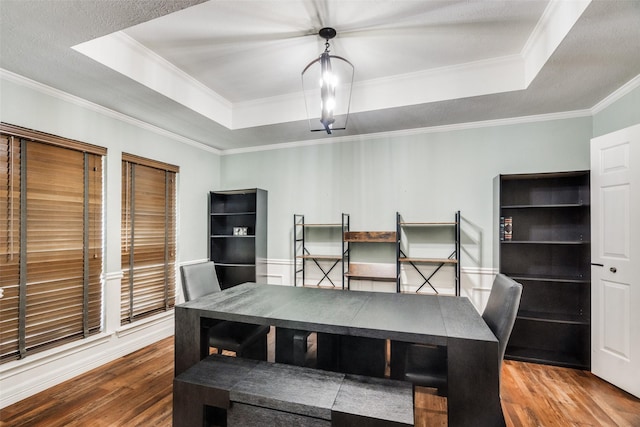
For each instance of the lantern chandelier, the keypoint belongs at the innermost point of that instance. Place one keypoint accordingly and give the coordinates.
(329, 103)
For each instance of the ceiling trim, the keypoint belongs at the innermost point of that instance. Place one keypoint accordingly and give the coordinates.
(125, 55)
(485, 77)
(67, 97)
(495, 75)
(555, 23)
(625, 89)
(64, 96)
(417, 131)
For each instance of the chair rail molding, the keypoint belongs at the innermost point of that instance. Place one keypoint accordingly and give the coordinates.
(475, 281)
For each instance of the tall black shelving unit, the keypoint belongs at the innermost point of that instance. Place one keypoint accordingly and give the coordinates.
(545, 245)
(238, 235)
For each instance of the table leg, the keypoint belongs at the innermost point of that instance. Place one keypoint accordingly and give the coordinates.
(351, 354)
(474, 384)
(327, 351)
(398, 356)
(190, 342)
(291, 346)
(362, 356)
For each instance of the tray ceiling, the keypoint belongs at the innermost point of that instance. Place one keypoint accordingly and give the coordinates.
(227, 73)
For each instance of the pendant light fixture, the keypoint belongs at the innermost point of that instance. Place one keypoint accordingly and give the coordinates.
(326, 83)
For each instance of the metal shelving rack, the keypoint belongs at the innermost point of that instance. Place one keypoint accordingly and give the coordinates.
(453, 259)
(302, 255)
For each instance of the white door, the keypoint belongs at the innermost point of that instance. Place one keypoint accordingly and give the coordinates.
(615, 257)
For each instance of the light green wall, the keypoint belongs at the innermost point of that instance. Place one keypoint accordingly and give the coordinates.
(34, 107)
(623, 113)
(426, 177)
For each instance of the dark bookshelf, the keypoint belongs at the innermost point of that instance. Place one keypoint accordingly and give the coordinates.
(549, 252)
(238, 235)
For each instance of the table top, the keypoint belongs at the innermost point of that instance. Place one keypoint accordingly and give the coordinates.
(425, 319)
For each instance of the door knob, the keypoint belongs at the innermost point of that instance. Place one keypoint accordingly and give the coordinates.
(613, 269)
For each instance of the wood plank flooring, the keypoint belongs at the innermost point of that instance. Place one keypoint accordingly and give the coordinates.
(136, 390)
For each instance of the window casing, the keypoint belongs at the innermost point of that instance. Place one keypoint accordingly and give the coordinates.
(51, 204)
(148, 241)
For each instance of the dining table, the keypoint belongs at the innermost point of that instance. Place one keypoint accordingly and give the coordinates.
(448, 321)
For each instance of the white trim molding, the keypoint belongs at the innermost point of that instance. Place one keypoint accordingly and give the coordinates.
(417, 131)
(127, 56)
(20, 379)
(625, 89)
(72, 99)
(476, 282)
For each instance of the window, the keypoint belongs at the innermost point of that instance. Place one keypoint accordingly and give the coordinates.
(51, 241)
(148, 237)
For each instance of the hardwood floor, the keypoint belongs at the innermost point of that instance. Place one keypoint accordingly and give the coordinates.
(136, 390)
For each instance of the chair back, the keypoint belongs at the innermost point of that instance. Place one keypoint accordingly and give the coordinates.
(199, 279)
(500, 312)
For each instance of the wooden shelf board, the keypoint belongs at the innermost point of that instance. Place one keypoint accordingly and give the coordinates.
(430, 260)
(232, 213)
(409, 224)
(383, 272)
(546, 357)
(553, 318)
(318, 225)
(370, 236)
(545, 242)
(542, 278)
(546, 206)
(378, 278)
(542, 176)
(326, 257)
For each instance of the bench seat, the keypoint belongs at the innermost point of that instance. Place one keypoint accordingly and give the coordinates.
(371, 402)
(242, 392)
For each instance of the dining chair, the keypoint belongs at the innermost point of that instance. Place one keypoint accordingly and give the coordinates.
(427, 365)
(245, 339)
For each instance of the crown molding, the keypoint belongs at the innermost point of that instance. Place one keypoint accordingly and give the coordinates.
(123, 54)
(623, 90)
(66, 97)
(417, 131)
(553, 26)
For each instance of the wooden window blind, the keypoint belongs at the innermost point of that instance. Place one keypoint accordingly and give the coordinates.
(148, 237)
(51, 241)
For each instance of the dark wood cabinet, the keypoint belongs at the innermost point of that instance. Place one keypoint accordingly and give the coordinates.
(545, 245)
(238, 235)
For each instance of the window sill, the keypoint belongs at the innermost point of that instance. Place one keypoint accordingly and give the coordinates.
(145, 323)
(45, 357)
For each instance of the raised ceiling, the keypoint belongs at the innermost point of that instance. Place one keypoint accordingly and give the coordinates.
(227, 73)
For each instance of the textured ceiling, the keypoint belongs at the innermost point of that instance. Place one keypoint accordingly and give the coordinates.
(418, 63)
(249, 50)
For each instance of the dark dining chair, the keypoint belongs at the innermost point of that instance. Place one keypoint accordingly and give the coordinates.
(427, 365)
(245, 339)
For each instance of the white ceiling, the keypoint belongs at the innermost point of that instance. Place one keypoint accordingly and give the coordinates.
(226, 73)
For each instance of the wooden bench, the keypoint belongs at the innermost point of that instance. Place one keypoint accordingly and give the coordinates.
(237, 392)
(372, 402)
(201, 389)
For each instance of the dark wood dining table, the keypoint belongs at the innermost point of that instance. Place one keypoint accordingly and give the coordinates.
(472, 349)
